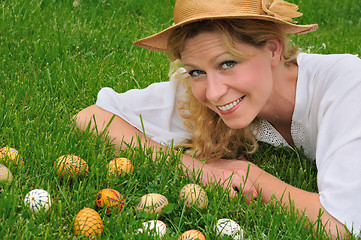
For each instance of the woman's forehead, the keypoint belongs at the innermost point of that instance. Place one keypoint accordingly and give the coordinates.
(211, 44)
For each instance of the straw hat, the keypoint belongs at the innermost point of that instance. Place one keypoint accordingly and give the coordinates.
(188, 11)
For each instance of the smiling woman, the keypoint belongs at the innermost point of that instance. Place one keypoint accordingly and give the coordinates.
(240, 83)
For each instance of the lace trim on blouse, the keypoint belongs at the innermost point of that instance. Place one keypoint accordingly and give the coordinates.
(267, 133)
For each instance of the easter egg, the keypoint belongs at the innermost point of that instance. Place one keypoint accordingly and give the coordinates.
(194, 195)
(89, 223)
(192, 234)
(229, 227)
(110, 199)
(120, 166)
(70, 166)
(154, 227)
(152, 203)
(11, 156)
(5, 174)
(37, 199)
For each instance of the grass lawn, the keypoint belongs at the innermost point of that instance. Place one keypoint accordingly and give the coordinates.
(55, 58)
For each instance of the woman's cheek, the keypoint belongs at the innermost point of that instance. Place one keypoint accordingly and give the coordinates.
(198, 90)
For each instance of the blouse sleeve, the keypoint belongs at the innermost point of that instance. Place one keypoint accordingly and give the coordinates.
(153, 109)
(338, 154)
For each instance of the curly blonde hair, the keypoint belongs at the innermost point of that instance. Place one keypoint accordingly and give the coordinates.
(211, 137)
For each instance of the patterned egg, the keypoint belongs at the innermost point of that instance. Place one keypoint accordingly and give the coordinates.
(5, 174)
(89, 223)
(70, 166)
(194, 195)
(120, 166)
(37, 199)
(192, 234)
(154, 227)
(110, 198)
(152, 203)
(11, 156)
(229, 227)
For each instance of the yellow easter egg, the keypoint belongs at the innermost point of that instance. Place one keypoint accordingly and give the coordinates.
(11, 156)
(120, 166)
(70, 166)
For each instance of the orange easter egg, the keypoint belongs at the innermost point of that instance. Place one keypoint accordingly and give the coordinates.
(110, 198)
(192, 234)
(89, 223)
(120, 166)
(70, 166)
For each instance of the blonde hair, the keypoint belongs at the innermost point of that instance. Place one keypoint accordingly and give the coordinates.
(211, 137)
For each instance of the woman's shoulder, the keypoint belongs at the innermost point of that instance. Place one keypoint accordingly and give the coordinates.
(325, 61)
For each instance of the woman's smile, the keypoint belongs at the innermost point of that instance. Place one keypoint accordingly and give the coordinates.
(230, 107)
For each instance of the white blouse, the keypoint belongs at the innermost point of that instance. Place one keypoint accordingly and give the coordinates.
(326, 123)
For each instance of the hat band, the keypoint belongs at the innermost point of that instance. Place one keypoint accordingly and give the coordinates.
(186, 10)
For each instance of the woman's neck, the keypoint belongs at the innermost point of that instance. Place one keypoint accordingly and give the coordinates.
(280, 107)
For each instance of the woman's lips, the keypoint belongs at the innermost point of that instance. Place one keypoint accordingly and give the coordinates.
(230, 107)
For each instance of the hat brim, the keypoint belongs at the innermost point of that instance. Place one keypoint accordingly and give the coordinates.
(158, 41)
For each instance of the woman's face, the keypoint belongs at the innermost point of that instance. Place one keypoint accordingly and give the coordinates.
(236, 89)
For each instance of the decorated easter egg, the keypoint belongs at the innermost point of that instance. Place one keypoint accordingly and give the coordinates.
(154, 228)
(5, 174)
(192, 234)
(70, 166)
(38, 199)
(194, 195)
(11, 156)
(120, 166)
(229, 227)
(89, 223)
(110, 199)
(152, 203)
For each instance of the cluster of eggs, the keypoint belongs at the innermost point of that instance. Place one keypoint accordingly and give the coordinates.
(192, 195)
(37, 199)
(9, 158)
(88, 221)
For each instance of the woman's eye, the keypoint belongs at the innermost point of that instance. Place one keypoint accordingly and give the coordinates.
(196, 73)
(227, 64)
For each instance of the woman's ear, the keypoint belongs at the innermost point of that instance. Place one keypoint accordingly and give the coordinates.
(275, 47)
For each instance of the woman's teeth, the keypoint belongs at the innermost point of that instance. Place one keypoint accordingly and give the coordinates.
(230, 105)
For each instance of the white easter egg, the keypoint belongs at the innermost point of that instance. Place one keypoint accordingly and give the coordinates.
(154, 226)
(229, 227)
(5, 174)
(194, 195)
(37, 199)
(152, 202)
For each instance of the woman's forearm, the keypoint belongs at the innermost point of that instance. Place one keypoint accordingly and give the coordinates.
(307, 203)
(119, 131)
(115, 128)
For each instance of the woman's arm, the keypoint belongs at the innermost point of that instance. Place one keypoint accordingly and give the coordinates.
(231, 173)
(121, 131)
(269, 186)
(118, 130)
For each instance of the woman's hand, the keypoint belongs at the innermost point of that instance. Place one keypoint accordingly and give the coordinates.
(234, 175)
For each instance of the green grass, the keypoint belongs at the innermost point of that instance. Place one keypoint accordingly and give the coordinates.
(54, 60)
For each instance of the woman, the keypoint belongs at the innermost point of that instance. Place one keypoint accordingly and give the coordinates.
(241, 82)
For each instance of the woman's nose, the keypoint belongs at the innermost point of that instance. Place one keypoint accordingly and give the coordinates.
(216, 88)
